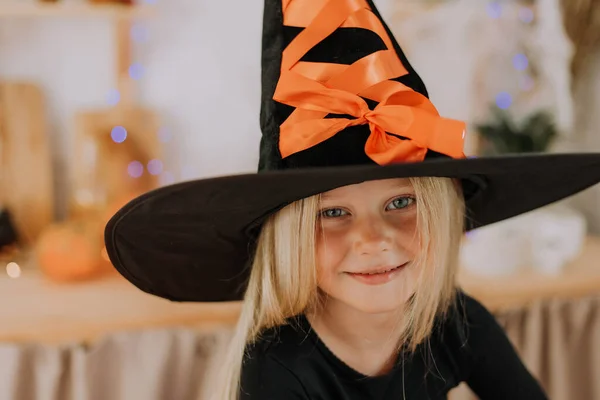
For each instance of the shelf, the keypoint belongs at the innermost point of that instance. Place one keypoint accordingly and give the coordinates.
(12, 9)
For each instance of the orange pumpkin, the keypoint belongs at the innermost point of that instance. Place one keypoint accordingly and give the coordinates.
(71, 251)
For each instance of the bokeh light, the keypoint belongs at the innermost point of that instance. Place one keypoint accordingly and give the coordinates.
(135, 169)
(520, 62)
(503, 100)
(136, 71)
(155, 167)
(118, 134)
(13, 270)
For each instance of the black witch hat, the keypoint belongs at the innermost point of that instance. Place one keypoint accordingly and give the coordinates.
(341, 105)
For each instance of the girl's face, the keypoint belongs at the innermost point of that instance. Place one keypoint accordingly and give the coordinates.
(366, 242)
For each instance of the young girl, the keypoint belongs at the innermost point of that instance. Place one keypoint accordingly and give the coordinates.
(344, 246)
(360, 303)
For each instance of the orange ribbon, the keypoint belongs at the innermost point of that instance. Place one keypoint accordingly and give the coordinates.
(319, 89)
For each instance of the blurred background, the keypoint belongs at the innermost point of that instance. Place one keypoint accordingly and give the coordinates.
(103, 100)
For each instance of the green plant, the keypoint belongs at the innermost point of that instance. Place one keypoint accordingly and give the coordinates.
(503, 135)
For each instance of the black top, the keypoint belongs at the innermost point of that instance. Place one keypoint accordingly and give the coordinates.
(292, 363)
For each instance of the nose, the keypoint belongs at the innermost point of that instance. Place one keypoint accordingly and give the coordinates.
(372, 236)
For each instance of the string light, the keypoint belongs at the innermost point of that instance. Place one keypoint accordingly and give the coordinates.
(139, 34)
(520, 61)
(118, 134)
(13, 270)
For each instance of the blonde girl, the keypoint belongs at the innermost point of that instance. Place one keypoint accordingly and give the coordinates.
(344, 246)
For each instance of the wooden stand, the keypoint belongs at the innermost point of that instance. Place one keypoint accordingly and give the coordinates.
(100, 173)
(26, 187)
(102, 176)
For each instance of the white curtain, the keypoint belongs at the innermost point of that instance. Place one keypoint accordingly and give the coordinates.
(147, 365)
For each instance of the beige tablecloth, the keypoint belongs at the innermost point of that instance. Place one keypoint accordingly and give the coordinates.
(166, 364)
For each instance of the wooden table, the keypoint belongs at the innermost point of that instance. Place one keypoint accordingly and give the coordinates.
(33, 309)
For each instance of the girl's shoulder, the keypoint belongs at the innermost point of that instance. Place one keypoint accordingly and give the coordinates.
(468, 317)
(285, 342)
(467, 332)
(274, 364)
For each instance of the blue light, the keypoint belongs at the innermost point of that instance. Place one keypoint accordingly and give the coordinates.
(118, 134)
(503, 100)
(494, 10)
(520, 62)
(136, 71)
(113, 97)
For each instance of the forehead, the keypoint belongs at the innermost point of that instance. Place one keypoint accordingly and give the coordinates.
(371, 187)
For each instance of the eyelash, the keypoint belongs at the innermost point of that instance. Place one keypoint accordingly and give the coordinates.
(410, 198)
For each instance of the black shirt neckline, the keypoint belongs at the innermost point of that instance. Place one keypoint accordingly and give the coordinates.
(347, 371)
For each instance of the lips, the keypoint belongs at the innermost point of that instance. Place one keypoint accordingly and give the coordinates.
(378, 276)
(378, 271)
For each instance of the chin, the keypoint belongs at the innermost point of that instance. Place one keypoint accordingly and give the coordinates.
(378, 303)
(371, 299)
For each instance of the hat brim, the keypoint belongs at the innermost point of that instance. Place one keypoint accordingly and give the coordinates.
(192, 241)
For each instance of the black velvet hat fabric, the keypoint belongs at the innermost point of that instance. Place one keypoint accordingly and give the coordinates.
(194, 241)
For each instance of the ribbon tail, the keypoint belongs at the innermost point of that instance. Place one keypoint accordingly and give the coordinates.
(385, 149)
(425, 130)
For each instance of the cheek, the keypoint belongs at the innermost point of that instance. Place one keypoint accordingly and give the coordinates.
(406, 236)
(331, 249)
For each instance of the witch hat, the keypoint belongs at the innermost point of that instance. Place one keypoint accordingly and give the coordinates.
(340, 105)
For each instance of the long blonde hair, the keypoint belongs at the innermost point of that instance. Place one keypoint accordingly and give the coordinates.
(283, 280)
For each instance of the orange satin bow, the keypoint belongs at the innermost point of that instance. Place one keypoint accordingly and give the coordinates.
(319, 89)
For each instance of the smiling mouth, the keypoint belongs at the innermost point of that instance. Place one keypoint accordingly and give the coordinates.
(380, 271)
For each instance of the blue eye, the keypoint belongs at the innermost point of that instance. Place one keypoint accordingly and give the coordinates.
(400, 203)
(333, 213)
